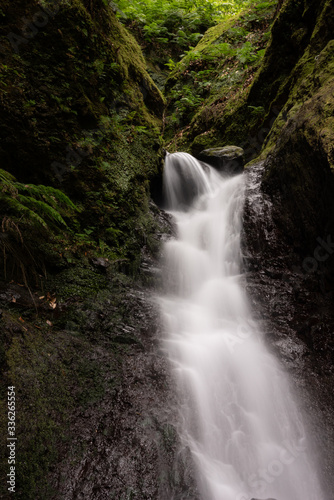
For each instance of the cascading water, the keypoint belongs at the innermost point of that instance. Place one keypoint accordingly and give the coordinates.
(239, 418)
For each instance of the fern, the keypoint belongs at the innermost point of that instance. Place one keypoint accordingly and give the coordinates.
(43, 208)
(29, 212)
(53, 196)
(35, 204)
(6, 177)
(20, 209)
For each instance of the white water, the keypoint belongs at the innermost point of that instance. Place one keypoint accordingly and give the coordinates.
(239, 418)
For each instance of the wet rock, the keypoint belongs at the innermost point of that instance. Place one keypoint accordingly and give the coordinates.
(124, 440)
(101, 263)
(294, 309)
(229, 159)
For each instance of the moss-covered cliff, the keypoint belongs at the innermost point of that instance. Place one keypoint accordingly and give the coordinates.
(281, 104)
(80, 125)
(79, 113)
(80, 139)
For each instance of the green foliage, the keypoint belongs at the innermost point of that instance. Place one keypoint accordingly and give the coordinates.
(185, 100)
(218, 50)
(31, 204)
(246, 54)
(210, 75)
(170, 64)
(173, 26)
(256, 110)
(34, 214)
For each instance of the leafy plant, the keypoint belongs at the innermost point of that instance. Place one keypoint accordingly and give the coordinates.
(246, 54)
(174, 25)
(256, 110)
(33, 214)
(31, 204)
(170, 64)
(219, 50)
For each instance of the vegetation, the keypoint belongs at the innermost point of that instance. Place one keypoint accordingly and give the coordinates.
(84, 125)
(81, 120)
(168, 29)
(210, 77)
(90, 124)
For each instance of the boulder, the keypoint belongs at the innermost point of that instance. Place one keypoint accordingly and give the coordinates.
(101, 263)
(229, 159)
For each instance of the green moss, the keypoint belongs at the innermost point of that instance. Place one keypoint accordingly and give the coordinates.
(93, 125)
(312, 77)
(210, 83)
(41, 383)
(77, 281)
(204, 141)
(77, 96)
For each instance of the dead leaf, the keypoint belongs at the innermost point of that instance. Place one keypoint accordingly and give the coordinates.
(49, 322)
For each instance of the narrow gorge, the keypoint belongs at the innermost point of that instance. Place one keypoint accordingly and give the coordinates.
(167, 242)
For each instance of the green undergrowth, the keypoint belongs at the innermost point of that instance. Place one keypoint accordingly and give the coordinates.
(167, 30)
(214, 75)
(81, 117)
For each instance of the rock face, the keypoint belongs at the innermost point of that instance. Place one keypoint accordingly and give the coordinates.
(96, 392)
(89, 128)
(80, 114)
(292, 296)
(228, 159)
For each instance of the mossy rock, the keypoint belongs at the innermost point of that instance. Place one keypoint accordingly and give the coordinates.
(82, 116)
(227, 159)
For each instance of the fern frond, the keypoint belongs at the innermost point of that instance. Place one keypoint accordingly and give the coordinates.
(6, 176)
(22, 210)
(52, 195)
(7, 182)
(42, 207)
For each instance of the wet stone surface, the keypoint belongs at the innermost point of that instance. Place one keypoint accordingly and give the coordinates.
(295, 311)
(124, 442)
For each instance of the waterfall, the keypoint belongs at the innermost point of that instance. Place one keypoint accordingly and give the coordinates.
(239, 418)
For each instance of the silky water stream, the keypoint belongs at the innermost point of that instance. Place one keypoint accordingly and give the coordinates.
(239, 417)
